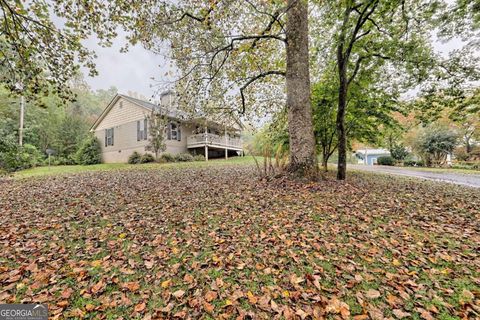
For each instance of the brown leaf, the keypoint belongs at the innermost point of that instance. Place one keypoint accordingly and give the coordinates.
(208, 307)
(210, 296)
(178, 294)
(131, 286)
(400, 314)
(372, 294)
(140, 307)
(149, 264)
(251, 297)
(98, 287)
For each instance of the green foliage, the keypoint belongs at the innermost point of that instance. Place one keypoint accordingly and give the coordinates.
(60, 160)
(386, 161)
(14, 157)
(434, 143)
(146, 158)
(57, 126)
(399, 152)
(183, 157)
(40, 56)
(89, 152)
(167, 157)
(199, 157)
(413, 163)
(467, 165)
(156, 131)
(135, 158)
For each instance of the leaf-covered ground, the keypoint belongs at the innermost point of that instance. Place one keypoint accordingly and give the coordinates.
(216, 242)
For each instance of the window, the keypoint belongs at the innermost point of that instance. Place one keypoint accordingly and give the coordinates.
(142, 129)
(108, 137)
(174, 132)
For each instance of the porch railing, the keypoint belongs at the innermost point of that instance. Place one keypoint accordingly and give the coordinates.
(202, 139)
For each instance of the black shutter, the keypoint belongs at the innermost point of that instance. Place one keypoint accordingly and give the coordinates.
(179, 133)
(138, 130)
(112, 135)
(106, 136)
(169, 131)
(145, 134)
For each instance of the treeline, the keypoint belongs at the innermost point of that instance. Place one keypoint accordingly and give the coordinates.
(49, 123)
(424, 131)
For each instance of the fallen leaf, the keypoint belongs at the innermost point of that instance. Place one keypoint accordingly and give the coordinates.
(372, 294)
(178, 294)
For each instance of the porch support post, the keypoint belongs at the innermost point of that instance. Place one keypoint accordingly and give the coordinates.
(226, 143)
(206, 143)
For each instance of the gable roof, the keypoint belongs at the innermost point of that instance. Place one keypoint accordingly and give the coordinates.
(175, 114)
(372, 151)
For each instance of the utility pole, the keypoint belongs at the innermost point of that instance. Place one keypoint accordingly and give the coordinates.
(22, 112)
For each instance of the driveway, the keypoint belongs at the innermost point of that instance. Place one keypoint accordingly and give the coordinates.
(471, 180)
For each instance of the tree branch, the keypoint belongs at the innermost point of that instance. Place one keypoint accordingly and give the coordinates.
(255, 78)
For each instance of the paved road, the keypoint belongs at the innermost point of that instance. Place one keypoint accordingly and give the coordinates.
(471, 180)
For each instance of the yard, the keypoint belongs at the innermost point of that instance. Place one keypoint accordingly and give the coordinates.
(211, 240)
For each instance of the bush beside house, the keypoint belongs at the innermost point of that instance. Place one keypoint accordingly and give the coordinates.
(89, 152)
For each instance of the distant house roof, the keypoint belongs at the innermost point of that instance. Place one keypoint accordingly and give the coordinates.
(372, 151)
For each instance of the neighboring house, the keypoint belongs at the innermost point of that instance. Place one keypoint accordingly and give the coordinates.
(370, 156)
(122, 128)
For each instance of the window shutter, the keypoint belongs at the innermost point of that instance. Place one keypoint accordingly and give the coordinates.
(138, 130)
(112, 135)
(106, 136)
(145, 134)
(179, 133)
(169, 131)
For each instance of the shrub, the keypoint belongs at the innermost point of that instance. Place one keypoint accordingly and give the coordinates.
(199, 157)
(135, 158)
(399, 152)
(409, 163)
(89, 152)
(14, 157)
(386, 161)
(8, 151)
(29, 156)
(146, 158)
(413, 163)
(167, 157)
(183, 157)
(61, 160)
(461, 155)
(434, 143)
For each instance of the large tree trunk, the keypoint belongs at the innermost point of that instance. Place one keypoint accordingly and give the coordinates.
(303, 161)
(342, 136)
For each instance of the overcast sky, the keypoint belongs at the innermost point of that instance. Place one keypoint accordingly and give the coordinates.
(132, 71)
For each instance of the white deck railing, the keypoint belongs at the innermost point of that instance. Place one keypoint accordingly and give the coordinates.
(211, 139)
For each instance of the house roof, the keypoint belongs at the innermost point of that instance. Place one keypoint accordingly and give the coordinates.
(372, 151)
(175, 114)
